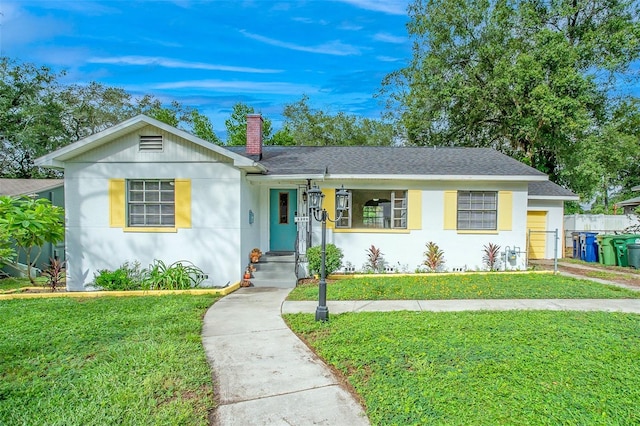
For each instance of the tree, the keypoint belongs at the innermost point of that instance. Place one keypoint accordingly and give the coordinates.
(31, 223)
(608, 156)
(236, 125)
(529, 78)
(282, 137)
(91, 108)
(203, 128)
(307, 126)
(30, 112)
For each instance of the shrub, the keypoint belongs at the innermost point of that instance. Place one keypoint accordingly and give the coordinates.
(181, 275)
(129, 276)
(333, 259)
(434, 257)
(114, 280)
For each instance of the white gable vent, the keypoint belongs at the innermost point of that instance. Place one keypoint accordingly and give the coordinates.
(150, 143)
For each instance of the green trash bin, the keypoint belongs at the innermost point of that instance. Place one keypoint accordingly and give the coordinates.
(606, 251)
(633, 251)
(620, 249)
(632, 238)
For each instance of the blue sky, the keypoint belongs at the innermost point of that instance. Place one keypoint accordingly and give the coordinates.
(213, 54)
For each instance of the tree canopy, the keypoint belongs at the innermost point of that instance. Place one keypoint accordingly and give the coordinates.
(309, 126)
(534, 79)
(38, 115)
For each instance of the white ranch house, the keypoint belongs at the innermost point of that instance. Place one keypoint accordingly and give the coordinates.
(143, 190)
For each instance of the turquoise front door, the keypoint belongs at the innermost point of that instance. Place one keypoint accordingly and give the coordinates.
(282, 226)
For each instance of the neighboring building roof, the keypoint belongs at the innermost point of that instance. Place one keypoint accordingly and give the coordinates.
(14, 187)
(406, 162)
(630, 202)
(547, 190)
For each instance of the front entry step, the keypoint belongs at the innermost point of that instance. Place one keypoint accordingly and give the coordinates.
(275, 270)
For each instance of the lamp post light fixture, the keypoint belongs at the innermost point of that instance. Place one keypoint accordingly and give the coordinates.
(315, 197)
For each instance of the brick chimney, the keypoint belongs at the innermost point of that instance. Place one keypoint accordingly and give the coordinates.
(254, 135)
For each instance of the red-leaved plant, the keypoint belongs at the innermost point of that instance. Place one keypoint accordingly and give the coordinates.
(374, 258)
(491, 256)
(54, 274)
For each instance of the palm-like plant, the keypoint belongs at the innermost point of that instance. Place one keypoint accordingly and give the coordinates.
(491, 256)
(434, 257)
(374, 258)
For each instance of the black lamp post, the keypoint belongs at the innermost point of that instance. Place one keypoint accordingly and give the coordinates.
(315, 204)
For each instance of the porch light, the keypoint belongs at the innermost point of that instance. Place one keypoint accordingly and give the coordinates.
(315, 198)
(341, 199)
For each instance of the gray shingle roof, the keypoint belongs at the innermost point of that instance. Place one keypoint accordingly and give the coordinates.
(27, 186)
(630, 202)
(548, 189)
(357, 160)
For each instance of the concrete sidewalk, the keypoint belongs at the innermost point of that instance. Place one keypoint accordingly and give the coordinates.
(338, 307)
(264, 374)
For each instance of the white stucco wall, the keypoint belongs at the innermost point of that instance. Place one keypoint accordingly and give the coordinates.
(462, 251)
(212, 243)
(250, 232)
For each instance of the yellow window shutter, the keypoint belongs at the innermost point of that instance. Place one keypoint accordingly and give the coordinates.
(116, 203)
(183, 203)
(414, 209)
(329, 204)
(450, 209)
(505, 210)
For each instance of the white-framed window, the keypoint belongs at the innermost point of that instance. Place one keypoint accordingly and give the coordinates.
(151, 202)
(477, 210)
(380, 209)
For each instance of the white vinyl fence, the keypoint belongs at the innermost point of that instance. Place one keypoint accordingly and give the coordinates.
(600, 223)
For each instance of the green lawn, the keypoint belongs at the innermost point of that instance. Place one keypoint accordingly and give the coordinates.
(463, 286)
(102, 361)
(14, 283)
(486, 368)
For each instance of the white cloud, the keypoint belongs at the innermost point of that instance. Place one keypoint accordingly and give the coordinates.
(309, 21)
(390, 38)
(387, 59)
(173, 63)
(86, 7)
(336, 48)
(391, 7)
(348, 26)
(238, 86)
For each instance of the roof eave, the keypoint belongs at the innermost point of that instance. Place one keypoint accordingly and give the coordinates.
(250, 166)
(554, 197)
(291, 177)
(502, 178)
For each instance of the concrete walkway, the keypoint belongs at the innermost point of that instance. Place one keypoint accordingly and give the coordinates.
(264, 374)
(338, 307)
